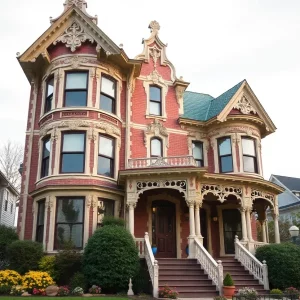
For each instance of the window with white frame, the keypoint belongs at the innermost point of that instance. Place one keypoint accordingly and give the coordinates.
(156, 147)
(225, 155)
(108, 95)
(155, 101)
(49, 94)
(198, 153)
(45, 157)
(249, 155)
(106, 156)
(40, 222)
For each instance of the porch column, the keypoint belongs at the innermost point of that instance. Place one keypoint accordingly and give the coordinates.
(263, 230)
(131, 207)
(248, 220)
(244, 225)
(191, 237)
(197, 220)
(276, 228)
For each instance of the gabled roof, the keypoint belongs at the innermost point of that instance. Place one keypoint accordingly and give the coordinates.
(292, 183)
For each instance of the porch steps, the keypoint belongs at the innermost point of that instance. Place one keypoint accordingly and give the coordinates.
(187, 277)
(241, 276)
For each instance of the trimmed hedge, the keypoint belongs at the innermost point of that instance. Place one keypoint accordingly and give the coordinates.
(113, 221)
(283, 262)
(110, 259)
(7, 236)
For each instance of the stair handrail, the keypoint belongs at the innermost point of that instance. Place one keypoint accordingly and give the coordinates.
(251, 263)
(152, 265)
(213, 269)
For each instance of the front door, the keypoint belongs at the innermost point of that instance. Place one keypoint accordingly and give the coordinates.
(231, 227)
(163, 229)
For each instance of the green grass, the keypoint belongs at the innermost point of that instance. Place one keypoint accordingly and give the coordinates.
(63, 298)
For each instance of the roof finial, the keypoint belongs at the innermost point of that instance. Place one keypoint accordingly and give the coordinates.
(154, 27)
(79, 3)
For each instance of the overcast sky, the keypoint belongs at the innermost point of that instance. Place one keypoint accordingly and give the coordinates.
(213, 44)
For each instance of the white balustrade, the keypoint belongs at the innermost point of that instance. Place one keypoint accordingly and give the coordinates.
(161, 162)
(251, 263)
(213, 269)
(259, 244)
(140, 244)
(152, 265)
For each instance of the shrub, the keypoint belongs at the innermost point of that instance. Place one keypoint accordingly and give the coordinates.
(10, 277)
(276, 294)
(37, 280)
(283, 262)
(7, 236)
(248, 293)
(78, 280)
(228, 281)
(111, 258)
(113, 221)
(17, 290)
(67, 263)
(166, 292)
(47, 264)
(95, 289)
(24, 255)
(292, 293)
(5, 289)
(63, 291)
(78, 291)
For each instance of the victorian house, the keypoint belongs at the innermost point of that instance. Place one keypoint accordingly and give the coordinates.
(111, 135)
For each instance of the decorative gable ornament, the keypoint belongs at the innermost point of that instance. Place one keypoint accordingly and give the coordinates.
(78, 3)
(244, 106)
(156, 129)
(74, 36)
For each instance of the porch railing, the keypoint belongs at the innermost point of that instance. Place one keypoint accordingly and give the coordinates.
(213, 269)
(152, 265)
(161, 162)
(140, 244)
(251, 263)
(259, 244)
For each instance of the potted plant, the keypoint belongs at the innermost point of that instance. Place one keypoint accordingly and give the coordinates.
(228, 286)
(154, 249)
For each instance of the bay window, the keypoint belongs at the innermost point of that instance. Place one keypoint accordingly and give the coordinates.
(49, 94)
(40, 221)
(106, 156)
(198, 153)
(249, 155)
(108, 95)
(155, 101)
(225, 155)
(156, 147)
(69, 222)
(76, 88)
(45, 157)
(73, 152)
(106, 208)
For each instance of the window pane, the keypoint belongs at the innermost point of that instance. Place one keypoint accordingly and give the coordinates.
(48, 103)
(106, 146)
(70, 210)
(72, 163)
(73, 142)
(106, 104)
(199, 163)
(47, 145)
(66, 233)
(225, 146)
(76, 81)
(75, 98)
(40, 234)
(197, 150)
(50, 87)
(105, 208)
(156, 147)
(249, 164)
(108, 87)
(45, 167)
(105, 166)
(155, 108)
(248, 147)
(41, 213)
(226, 164)
(155, 93)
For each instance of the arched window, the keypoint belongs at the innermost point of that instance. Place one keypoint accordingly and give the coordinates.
(156, 148)
(155, 101)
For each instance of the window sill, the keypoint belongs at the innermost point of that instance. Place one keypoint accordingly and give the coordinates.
(161, 118)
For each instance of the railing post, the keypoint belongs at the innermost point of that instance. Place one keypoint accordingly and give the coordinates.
(155, 280)
(265, 275)
(236, 240)
(220, 277)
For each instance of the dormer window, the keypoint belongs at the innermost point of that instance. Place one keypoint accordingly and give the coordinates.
(49, 94)
(155, 101)
(156, 148)
(198, 153)
(225, 155)
(108, 95)
(76, 89)
(249, 155)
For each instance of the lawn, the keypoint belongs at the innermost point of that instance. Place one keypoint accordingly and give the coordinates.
(63, 298)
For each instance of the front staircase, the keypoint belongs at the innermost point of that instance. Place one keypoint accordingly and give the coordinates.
(190, 281)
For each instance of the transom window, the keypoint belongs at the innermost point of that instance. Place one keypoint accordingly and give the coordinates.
(45, 157)
(49, 94)
(69, 222)
(225, 155)
(108, 95)
(40, 221)
(249, 155)
(106, 156)
(73, 152)
(198, 153)
(76, 89)
(105, 208)
(155, 101)
(156, 148)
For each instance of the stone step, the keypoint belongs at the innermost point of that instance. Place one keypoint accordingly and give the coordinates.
(194, 288)
(191, 282)
(181, 272)
(180, 261)
(241, 281)
(182, 277)
(198, 294)
(180, 267)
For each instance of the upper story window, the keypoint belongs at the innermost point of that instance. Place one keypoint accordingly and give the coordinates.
(108, 95)
(11, 208)
(76, 89)
(155, 101)
(198, 153)
(40, 221)
(249, 155)
(225, 155)
(45, 157)
(49, 94)
(106, 156)
(73, 152)
(156, 148)
(105, 208)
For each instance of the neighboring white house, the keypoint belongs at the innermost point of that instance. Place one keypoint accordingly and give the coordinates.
(8, 201)
(289, 200)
